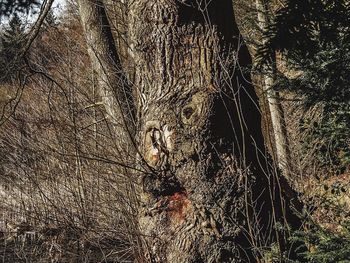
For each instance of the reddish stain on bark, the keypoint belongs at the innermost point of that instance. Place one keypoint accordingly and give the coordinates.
(178, 205)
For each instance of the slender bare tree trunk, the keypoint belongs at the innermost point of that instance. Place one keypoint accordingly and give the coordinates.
(113, 88)
(117, 12)
(116, 94)
(274, 103)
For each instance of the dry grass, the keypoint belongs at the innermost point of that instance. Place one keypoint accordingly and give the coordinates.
(67, 195)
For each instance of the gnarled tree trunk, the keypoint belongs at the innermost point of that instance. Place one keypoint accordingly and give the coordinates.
(198, 131)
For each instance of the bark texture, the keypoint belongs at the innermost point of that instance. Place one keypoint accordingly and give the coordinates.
(113, 87)
(194, 130)
(206, 191)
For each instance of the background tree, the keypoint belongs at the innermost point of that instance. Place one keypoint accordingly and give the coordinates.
(314, 36)
(276, 113)
(8, 7)
(51, 19)
(12, 41)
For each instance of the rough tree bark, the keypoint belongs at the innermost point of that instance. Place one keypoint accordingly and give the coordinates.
(197, 128)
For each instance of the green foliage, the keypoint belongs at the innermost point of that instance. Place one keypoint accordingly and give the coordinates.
(325, 82)
(314, 36)
(325, 246)
(302, 25)
(325, 236)
(12, 40)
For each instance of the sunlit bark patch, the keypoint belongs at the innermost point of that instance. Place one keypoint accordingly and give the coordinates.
(158, 143)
